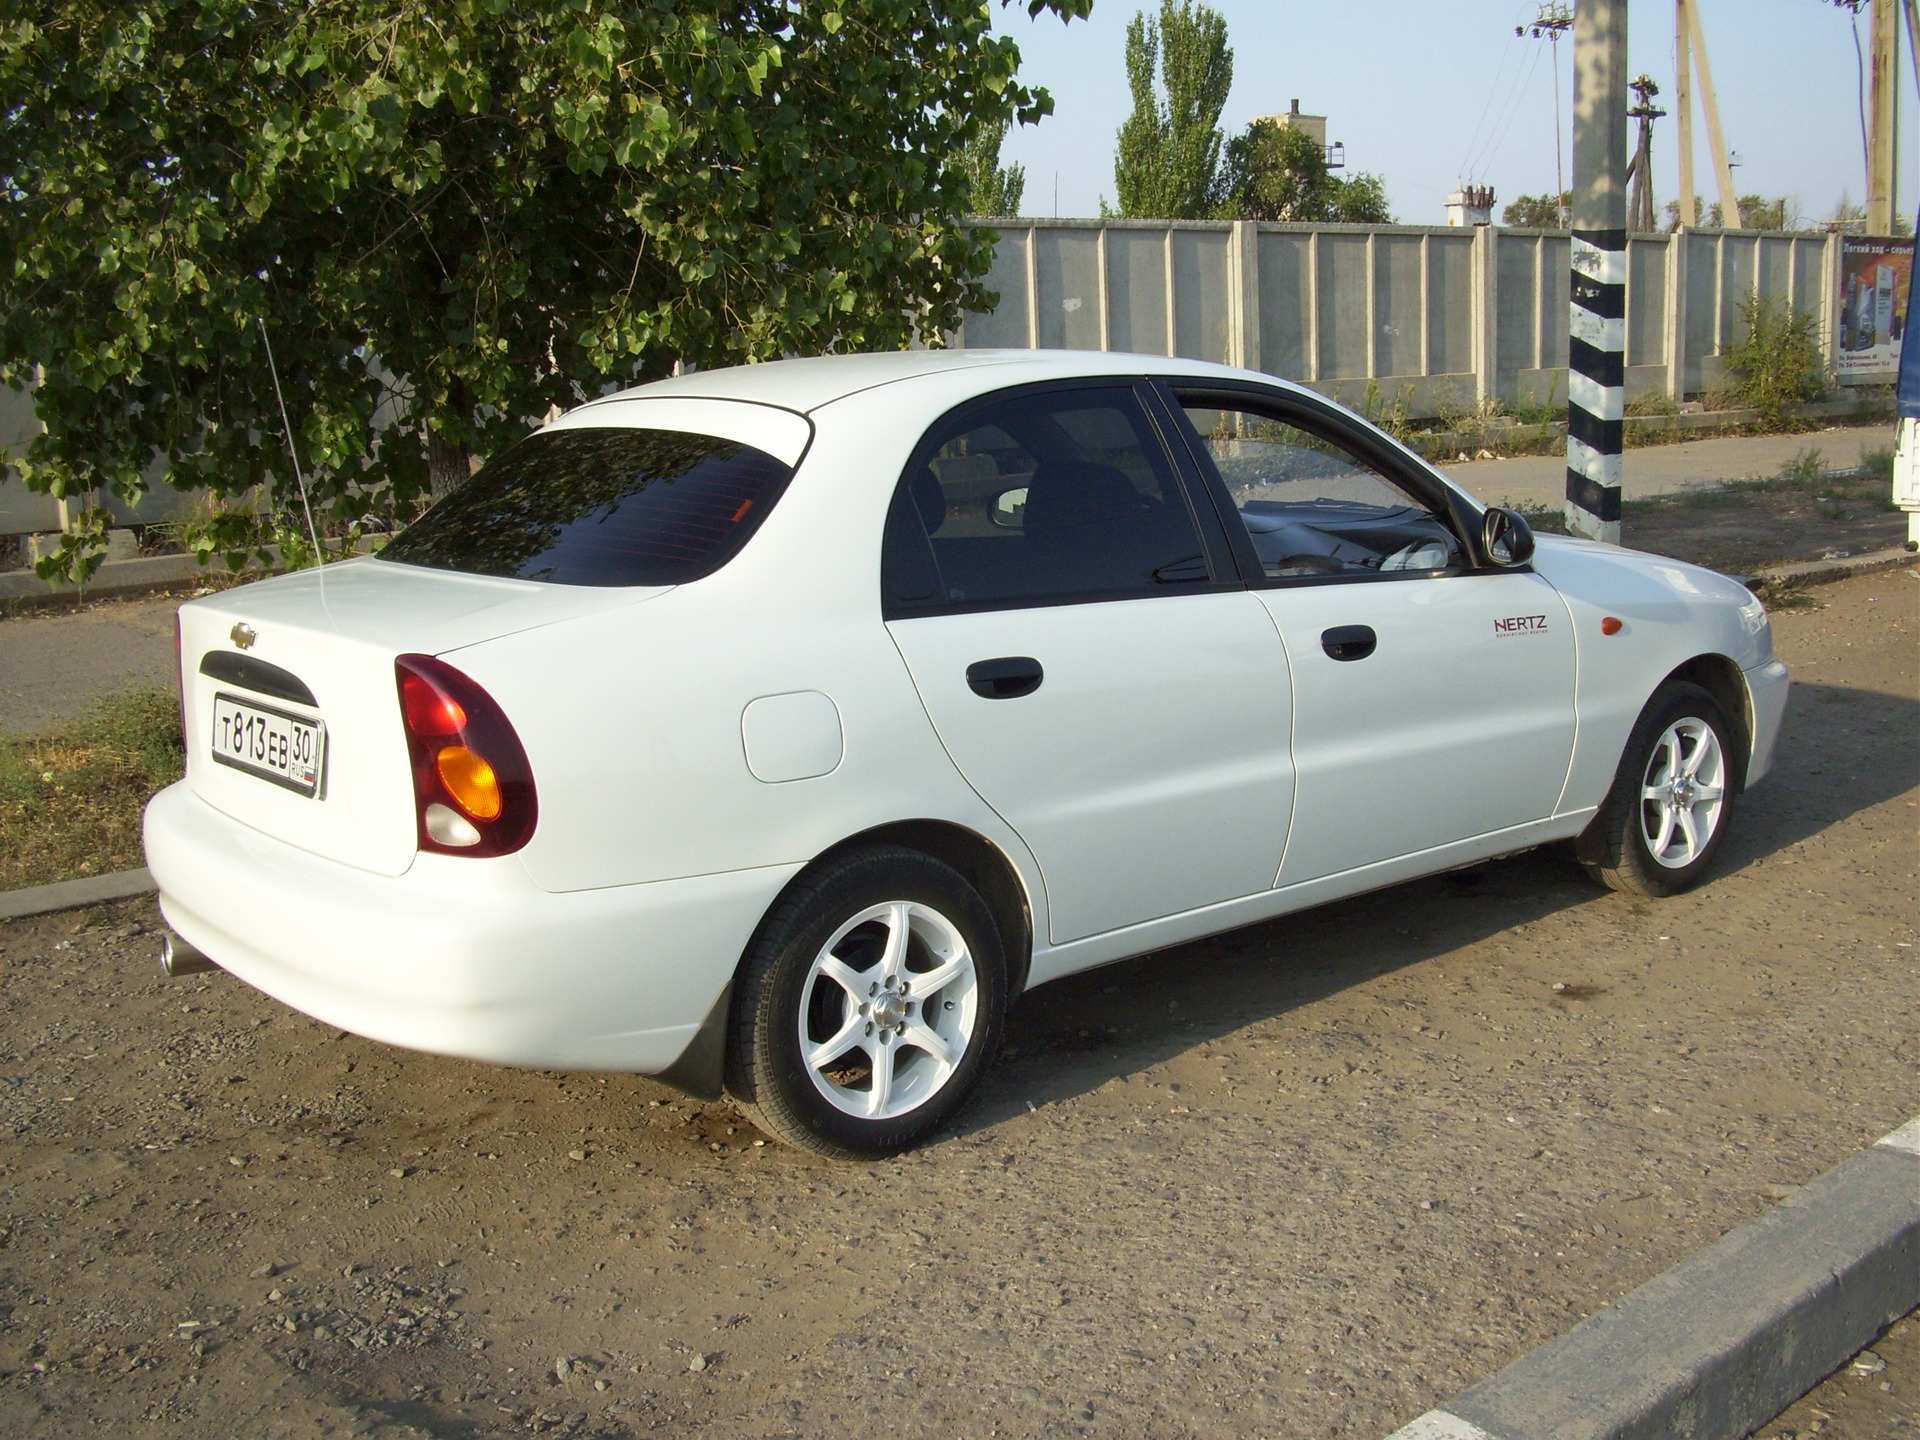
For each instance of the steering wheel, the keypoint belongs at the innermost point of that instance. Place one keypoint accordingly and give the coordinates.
(1319, 564)
(1426, 554)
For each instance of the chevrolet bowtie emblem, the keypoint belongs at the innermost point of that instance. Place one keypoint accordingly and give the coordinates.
(243, 636)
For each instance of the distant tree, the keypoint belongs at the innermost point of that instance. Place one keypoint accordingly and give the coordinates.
(1168, 163)
(992, 188)
(1362, 200)
(1539, 212)
(1279, 172)
(1756, 213)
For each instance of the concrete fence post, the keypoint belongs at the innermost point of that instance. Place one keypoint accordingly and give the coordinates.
(1830, 296)
(1676, 337)
(1485, 309)
(1245, 341)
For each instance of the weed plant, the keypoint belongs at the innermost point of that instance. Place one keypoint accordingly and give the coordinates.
(71, 797)
(1776, 363)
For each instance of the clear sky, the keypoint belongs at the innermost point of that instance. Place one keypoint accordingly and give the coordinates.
(1428, 94)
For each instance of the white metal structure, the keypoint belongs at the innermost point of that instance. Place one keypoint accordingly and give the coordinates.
(777, 726)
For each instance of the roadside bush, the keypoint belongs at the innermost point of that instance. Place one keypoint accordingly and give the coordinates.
(1777, 363)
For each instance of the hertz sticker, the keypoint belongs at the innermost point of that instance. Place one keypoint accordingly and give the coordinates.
(1520, 625)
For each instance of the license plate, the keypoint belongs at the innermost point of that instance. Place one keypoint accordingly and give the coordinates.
(273, 744)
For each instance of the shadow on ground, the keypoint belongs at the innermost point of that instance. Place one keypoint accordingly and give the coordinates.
(1841, 751)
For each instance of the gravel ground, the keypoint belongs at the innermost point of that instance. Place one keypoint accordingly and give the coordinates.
(1876, 1397)
(1307, 1179)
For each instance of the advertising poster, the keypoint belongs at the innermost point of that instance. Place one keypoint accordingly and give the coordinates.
(1875, 276)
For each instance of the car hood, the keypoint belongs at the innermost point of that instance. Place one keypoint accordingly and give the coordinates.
(1699, 611)
(1570, 555)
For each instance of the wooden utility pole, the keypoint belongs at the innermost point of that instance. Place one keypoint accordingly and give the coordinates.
(1640, 168)
(1716, 141)
(1683, 108)
(1912, 7)
(1883, 107)
(1596, 318)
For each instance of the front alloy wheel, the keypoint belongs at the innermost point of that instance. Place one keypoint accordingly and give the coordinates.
(1667, 811)
(1683, 793)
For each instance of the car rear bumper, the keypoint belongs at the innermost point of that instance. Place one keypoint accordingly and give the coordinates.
(1767, 687)
(458, 957)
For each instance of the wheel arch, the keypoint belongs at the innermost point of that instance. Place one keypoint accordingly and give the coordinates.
(700, 1070)
(1720, 677)
(980, 862)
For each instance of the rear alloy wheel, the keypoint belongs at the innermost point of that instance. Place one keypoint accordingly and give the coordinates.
(1664, 817)
(869, 1004)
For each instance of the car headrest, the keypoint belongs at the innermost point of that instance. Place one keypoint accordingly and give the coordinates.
(1078, 492)
(929, 498)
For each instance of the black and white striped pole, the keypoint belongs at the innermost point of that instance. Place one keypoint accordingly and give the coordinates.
(1596, 318)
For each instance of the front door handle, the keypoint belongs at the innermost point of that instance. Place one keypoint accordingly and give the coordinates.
(1007, 678)
(1349, 642)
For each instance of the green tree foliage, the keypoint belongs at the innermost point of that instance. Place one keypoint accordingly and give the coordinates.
(1539, 212)
(1179, 69)
(992, 188)
(457, 216)
(1757, 212)
(1278, 172)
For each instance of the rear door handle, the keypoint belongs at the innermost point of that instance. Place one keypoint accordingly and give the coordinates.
(1007, 678)
(1349, 642)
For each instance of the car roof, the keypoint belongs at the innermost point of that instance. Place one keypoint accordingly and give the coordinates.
(808, 384)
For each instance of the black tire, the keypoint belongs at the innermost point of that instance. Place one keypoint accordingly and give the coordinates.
(1621, 847)
(793, 991)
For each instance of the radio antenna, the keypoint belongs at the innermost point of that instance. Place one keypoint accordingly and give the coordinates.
(286, 428)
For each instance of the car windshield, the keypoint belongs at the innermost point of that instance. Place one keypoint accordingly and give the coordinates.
(600, 506)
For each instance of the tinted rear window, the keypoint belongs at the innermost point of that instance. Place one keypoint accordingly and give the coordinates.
(612, 506)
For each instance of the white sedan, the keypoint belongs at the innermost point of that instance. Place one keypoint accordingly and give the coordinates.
(772, 729)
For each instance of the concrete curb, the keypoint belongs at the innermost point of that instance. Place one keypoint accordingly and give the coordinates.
(1727, 1339)
(75, 894)
(119, 577)
(1818, 572)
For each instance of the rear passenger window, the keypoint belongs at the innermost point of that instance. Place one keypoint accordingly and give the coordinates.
(600, 506)
(1040, 498)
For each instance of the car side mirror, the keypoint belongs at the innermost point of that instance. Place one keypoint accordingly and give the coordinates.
(1008, 508)
(1506, 540)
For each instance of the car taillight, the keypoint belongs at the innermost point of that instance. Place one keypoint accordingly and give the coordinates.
(472, 786)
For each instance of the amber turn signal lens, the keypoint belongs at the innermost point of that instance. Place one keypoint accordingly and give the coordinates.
(470, 781)
(1611, 625)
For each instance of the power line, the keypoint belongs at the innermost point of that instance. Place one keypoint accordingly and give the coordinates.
(1550, 22)
(1485, 105)
(1498, 137)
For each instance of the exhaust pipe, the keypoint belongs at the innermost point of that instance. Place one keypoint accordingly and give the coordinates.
(178, 957)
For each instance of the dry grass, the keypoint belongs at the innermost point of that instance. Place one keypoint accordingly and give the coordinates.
(70, 799)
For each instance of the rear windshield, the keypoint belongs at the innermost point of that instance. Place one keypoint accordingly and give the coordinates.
(612, 506)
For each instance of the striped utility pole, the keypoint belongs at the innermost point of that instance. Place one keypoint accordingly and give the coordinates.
(1596, 320)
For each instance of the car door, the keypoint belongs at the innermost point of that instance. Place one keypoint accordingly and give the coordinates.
(1432, 693)
(1088, 656)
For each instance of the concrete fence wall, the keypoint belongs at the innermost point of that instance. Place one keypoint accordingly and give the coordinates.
(1436, 318)
(1439, 320)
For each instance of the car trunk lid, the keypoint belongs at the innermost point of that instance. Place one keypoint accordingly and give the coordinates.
(292, 710)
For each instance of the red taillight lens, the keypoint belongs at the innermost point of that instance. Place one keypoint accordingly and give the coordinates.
(473, 789)
(428, 709)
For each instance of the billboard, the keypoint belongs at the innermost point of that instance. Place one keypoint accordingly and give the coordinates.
(1875, 278)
